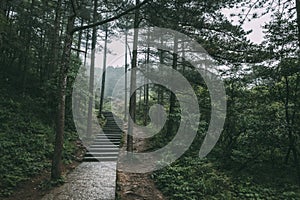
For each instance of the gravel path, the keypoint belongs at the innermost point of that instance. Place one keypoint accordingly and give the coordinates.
(89, 181)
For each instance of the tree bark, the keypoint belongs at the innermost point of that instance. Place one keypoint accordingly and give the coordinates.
(146, 87)
(79, 40)
(136, 7)
(64, 67)
(290, 131)
(86, 46)
(92, 73)
(298, 19)
(103, 73)
(126, 69)
(3, 8)
(56, 170)
(160, 95)
(132, 101)
(172, 96)
(24, 60)
(54, 58)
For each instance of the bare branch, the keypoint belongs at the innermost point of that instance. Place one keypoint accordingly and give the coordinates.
(81, 51)
(250, 9)
(109, 19)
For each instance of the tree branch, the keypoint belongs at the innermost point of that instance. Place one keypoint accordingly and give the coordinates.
(251, 7)
(109, 19)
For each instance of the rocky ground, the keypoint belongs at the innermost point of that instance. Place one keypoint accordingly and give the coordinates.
(137, 186)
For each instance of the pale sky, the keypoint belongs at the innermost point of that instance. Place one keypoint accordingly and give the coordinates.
(117, 45)
(255, 24)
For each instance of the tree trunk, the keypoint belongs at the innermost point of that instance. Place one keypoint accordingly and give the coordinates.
(54, 58)
(183, 57)
(27, 37)
(289, 129)
(146, 87)
(132, 101)
(60, 118)
(103, 73)
(172, 96)
(92, 72)
(296, 160)
(86, 46)
(140, 99)
(79, 40)
(160, 90)
(3, 8)
(298, 19)
(126, 69)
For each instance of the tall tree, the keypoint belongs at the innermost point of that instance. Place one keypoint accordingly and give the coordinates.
(146, 87)
(60, 118)
(126, 76)
(172, 95)
(132, 101)
(64, 69)
(104, 71)
(92, 71)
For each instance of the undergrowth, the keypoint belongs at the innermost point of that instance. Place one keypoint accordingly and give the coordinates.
(26, 140)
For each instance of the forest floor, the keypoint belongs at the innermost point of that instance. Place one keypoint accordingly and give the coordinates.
(137, 186)
(38, 186)
(129, 185)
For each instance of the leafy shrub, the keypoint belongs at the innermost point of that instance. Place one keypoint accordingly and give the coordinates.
(25, 145)
(192, 178)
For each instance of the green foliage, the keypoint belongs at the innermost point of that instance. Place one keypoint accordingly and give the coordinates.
(192, 178)
(246, 188)
(69, 146)
(26, 139)
(48, 184)
(25, 144)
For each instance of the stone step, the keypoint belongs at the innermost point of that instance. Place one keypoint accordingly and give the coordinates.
(107, 143)
(104, 146)
(101, 154)
(112, 131)
(109, 134)
(109, 137)
(103, 150)
(115, 120)
(111, 116)
(106, 112)
(112, 125)
(100, 159)
(112, 120)
(106, 140)
(107, 129)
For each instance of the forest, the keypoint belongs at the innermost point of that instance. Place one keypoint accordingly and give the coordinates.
(67, 67)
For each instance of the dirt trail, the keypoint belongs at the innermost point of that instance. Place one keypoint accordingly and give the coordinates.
(136, 186)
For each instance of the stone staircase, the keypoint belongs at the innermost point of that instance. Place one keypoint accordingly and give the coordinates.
(105, 147)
